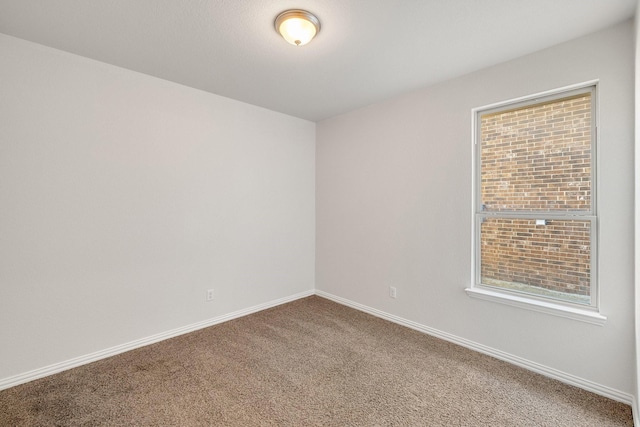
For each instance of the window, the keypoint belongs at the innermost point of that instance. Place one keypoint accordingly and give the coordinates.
(535, 225)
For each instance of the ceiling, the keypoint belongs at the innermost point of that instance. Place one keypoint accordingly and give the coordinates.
(366, 51)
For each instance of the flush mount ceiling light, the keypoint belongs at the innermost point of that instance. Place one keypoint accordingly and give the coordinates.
(297, 26)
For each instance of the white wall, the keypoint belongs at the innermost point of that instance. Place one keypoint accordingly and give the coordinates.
(124, 197)
(393, 192)
(637, 213)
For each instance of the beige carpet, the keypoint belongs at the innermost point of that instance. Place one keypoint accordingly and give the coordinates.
(307, 363)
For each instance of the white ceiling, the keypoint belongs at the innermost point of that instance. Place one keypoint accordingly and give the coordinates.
(366, 51)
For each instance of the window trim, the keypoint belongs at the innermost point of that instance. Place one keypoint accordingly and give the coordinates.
(588, 313)
(528, 303)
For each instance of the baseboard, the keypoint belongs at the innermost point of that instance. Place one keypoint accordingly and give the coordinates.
(524, 363)
(515, 360)
(102, 354)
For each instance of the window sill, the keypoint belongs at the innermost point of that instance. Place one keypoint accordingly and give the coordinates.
(540, 306)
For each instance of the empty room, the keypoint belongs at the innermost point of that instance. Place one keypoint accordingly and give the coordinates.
(305, 213)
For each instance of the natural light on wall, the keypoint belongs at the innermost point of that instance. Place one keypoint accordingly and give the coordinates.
(297, 27)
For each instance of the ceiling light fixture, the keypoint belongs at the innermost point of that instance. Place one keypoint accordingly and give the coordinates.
(297, 26)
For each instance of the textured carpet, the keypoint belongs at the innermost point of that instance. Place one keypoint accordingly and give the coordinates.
(311, 362)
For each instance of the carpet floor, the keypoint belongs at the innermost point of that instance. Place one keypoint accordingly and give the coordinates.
(310, 362)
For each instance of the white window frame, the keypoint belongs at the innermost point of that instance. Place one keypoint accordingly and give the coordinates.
(587, 313)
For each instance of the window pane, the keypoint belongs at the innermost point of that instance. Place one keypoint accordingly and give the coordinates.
(552, 260)
(537, 158)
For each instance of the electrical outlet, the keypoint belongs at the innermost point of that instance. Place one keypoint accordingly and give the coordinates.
(392, 291)
(209, 294)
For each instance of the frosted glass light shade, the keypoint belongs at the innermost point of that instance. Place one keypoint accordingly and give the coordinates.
(297, 27)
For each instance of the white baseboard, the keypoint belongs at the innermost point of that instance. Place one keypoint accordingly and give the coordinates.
(635, 407)
(515, 360)
(102, 354)
(524, 363)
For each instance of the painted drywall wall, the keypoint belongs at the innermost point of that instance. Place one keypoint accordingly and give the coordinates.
(393, 198)
(123, 198)
(636, 377)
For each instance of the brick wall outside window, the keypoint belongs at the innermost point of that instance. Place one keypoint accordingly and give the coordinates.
(555, 256)
(538, 159)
